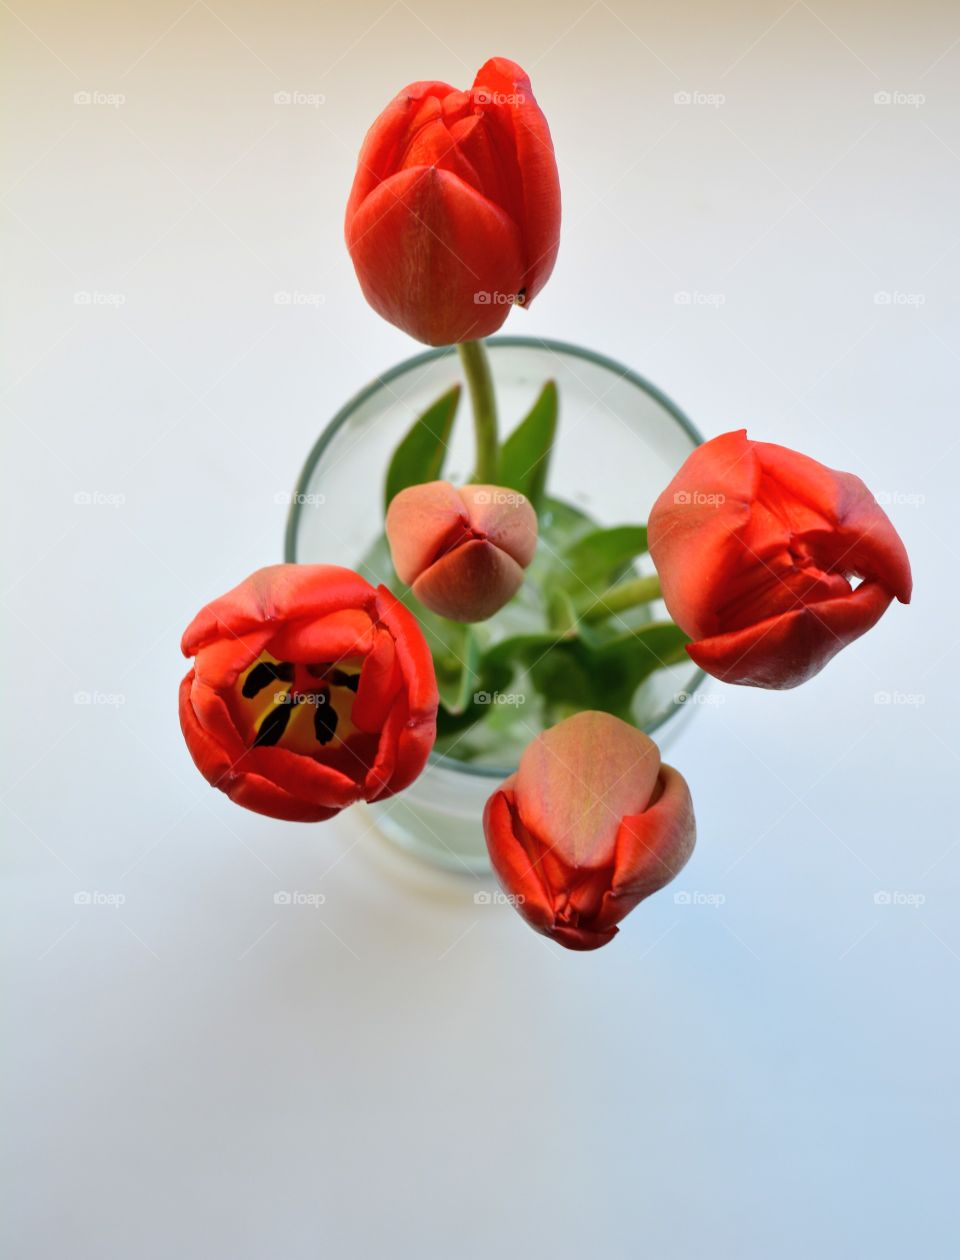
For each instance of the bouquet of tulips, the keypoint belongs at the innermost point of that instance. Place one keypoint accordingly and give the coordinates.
(313, 689)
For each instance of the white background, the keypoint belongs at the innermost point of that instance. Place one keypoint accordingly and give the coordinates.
(199, 1072)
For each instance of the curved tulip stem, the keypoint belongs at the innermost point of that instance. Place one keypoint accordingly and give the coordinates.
(641, 590)
(476, 368)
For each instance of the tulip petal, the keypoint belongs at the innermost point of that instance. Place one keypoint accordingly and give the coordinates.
(342, 634)
(378, 686)
(579, 779)
(515, 865)
(413, 657)
(256, 793)
(581, 938)
(220, 662)
(525, 137)
(274, 594)
(473, 138)
(386, 140)
(520, 862)
(435, 145)
(867, 543)
(425, 245)
(209, 754)
(304, 777)
(213, 712)
(693, 528)
(652, 848)
(505, 517)
(414, 744)
(422, 522)
(377, 783)
(784, 651)
(470, 583)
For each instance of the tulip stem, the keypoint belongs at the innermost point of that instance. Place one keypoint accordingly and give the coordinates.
(641, 590)
(476, 368)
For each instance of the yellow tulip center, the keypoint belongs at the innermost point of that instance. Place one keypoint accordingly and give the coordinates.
(303, 708)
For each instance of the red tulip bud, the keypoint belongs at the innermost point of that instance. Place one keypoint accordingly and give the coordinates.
(590, 825)
(756, 547)
(454, 214)
(463, 551)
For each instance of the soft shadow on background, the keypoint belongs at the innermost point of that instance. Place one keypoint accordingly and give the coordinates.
(760, 216)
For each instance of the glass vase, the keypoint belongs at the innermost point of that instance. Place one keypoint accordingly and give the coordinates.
(619, 441)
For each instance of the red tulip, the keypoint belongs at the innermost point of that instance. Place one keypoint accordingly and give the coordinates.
(310, 690)
(462, 551)
(454, 214)
(757, 547)
(590, 825)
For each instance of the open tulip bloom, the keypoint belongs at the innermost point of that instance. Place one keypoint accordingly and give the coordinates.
(310, 690)
(314, 688)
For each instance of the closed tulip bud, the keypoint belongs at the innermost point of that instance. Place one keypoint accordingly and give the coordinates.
(590, 825)
(757, 548)
(462, 551)
(309, 690)
(454, 214)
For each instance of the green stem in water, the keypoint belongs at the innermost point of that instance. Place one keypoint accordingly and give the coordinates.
(476, 368)
(641, 590)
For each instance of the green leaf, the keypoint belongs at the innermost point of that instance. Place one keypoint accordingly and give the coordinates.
(563, 523)
(525, 454)
(420, 455)
(582, 674)
(560, 525)
(521, 649)
(561, 613)
(457, 670)
(653, 646)
(599, 558)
